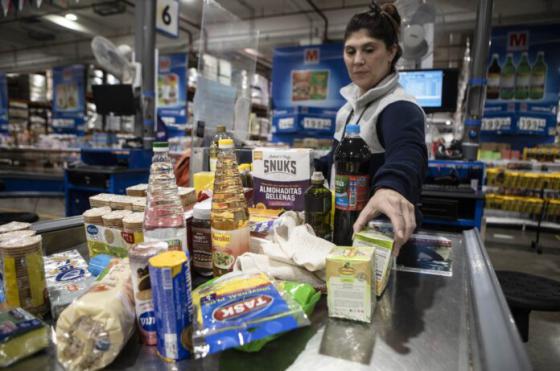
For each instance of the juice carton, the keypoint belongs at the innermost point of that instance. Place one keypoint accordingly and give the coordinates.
(383, 245)
(350, 282)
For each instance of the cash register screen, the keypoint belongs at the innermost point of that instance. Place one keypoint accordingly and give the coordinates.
(425, 86)
(435, 90)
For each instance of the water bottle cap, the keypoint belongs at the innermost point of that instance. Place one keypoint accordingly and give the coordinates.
(317, 177)
(160, 146)
(225, 143)
(353, 129)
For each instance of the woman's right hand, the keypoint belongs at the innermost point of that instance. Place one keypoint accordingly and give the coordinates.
(397, 208)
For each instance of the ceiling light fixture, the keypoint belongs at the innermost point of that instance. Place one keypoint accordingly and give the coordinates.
(71, 17)
(63, 22)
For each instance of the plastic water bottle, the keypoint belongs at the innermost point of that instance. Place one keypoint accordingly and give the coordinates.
(229, 217)
(352, 183)
(164, 218)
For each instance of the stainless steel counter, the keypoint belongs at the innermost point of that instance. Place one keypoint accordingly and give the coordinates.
(422, 322)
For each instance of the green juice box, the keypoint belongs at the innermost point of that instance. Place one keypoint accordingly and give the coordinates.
(350, 273)
(383, 245)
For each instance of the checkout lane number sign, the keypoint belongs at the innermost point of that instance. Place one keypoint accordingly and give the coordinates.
(167, 17)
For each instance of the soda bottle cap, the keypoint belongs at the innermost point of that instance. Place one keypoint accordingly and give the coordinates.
(317, 178)
(220, 129)
(160, 146)
(225, 143)
(353, 129)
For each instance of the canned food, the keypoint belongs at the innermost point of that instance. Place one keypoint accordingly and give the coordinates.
(24, 274)
(138, 256)
(171, 294)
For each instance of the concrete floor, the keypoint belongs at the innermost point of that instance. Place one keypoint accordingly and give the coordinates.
(510, 250)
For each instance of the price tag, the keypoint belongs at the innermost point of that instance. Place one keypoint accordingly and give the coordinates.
(167, 17)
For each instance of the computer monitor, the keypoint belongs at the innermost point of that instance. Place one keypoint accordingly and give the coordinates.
(435, 90)
(114, 99)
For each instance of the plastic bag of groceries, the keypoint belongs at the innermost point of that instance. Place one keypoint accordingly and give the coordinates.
(239, 308)
(92, 331)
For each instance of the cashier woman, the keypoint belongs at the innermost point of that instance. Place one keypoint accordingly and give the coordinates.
(391, 122)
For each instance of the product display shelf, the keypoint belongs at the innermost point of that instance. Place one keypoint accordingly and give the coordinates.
(465, 316)
(527, 192)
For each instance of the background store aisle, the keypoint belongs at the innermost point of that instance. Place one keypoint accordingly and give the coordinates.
(509, 250)
(45, 208)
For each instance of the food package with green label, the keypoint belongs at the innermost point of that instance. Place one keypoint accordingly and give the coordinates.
(383, 244)
(350, 276)
(239, 308)
(21, 334)
(304, 294)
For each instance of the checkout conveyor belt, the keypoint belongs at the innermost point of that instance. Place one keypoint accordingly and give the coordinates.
(422, 322)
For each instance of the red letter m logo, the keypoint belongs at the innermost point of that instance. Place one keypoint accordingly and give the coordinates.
(517, 41)
(311, 56)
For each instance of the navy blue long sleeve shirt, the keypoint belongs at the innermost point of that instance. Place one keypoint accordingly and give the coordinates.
(403, 166)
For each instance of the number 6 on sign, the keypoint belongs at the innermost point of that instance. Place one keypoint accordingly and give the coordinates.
(167, 17)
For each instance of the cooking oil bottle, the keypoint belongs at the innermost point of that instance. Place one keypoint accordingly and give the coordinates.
(318, 201)
(230, 217)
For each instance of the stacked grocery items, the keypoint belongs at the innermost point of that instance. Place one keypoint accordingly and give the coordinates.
(545, 154)
(523, 191)
(266, 262)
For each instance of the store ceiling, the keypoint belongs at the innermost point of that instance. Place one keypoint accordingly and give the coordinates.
(33, 40)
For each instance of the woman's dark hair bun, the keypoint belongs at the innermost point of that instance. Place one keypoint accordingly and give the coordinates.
(392, 11)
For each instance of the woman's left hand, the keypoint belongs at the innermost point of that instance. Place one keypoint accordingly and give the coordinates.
(397, 208)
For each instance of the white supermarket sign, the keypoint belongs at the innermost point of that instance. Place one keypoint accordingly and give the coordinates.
(167, 17)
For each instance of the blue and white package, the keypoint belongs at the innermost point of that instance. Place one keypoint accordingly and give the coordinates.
(67, 277)
(238, 308)
(170, 280)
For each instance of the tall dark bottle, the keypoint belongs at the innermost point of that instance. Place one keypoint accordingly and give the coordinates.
(352, 183)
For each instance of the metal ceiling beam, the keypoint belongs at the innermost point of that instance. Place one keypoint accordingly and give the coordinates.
(325, 19)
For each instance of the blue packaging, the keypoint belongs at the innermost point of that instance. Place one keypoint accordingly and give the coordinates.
(98, 263)
(170, 280)
(239, 308)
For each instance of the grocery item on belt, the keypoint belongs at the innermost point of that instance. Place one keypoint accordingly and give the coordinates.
(171, 295)
(280, 177)
(351, 282)
(24, 274)
(67, 278)
(187, 196)
(304, 294)
(383, 244)
(14, 226)
(21, 334)
(98, 263)
(138, 190)
(16, 235)
(139, 256)
(239, 308)
(92, 331)
(101, 200)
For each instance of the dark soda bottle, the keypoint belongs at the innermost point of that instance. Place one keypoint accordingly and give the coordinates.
(318, 201)
(352, 182)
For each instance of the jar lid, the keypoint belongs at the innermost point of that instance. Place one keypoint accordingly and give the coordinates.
(21, 245)
(16, 235)
(96, 212)
(203, 210)
(114, 218)
(14, 226)
(134, 219)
